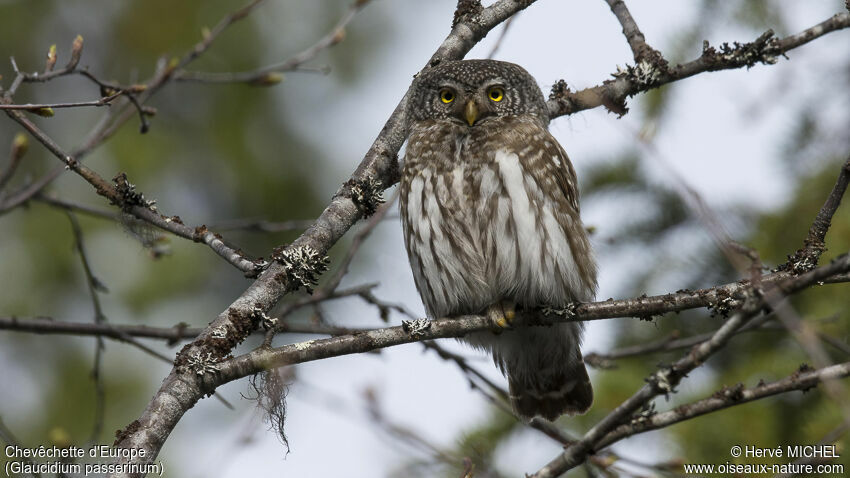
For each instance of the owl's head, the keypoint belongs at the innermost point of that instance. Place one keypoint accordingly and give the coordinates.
(473, 92)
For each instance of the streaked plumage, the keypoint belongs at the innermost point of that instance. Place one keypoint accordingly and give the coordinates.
(489, 205)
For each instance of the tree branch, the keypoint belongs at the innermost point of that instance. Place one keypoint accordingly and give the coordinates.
(813, 246)
(125, 333)
(647, 75)
(804, 379)
(665, 380)
(364, 341)
(106, 100)
(16, 153)
(637, 42)
(270, 75)
(131, 202)
(112, 120)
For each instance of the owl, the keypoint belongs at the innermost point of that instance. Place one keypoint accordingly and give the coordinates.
(490, 212)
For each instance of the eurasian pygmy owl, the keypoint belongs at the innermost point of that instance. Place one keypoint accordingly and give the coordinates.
(490, 210)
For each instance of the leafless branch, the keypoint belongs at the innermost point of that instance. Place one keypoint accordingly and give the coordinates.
(213, 34)
(804, 380)
(665, 380)
(813, 246)
(329, 288)
(640, 49)
(403, 433)
(45, 325)
(265, 358)
(126, 333)
(121, 194)
(16, 153)
(502, 35)
(467, 369)
(649, 75)
(270, 75)
(673, 342)
(94, 286)
(78, 208)
(112, 121)
(45, 106)
(262, 225)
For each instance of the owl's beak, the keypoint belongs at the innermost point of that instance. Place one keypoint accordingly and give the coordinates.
(471, 112)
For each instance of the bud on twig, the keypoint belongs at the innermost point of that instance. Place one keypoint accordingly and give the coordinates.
(268, 79)
(76, 52)
(339, 36)
(172, 65)
(51, 58)
(19, 146)
(44, 112)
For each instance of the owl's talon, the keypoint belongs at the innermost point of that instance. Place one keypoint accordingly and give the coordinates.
(502, 315)
(510, 311)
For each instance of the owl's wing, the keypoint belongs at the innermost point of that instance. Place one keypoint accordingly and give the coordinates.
(543, 158)
(545, 162)
(562, 170)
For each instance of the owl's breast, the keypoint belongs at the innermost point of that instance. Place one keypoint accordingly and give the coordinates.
(442, 237)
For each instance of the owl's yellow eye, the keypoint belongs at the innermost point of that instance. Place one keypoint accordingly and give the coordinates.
(447, 95)
(496, 93)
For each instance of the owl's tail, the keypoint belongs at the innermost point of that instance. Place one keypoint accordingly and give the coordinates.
(566, 392)
(549, 378)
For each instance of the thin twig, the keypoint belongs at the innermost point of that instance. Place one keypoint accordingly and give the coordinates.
(94, 286)
(265, 358)
(268, 75)
(403, 433)
(637, 42)
(671, 343)
(813, 246)
(501, 38)
(112, 121)
(613, 93)
(142, 212)
(19, 147)
(328, 289)
(30, 106)
(262, 225)
(78, 207)
(126, 333)
(727, 397)
(467, 369)
(356, 242)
